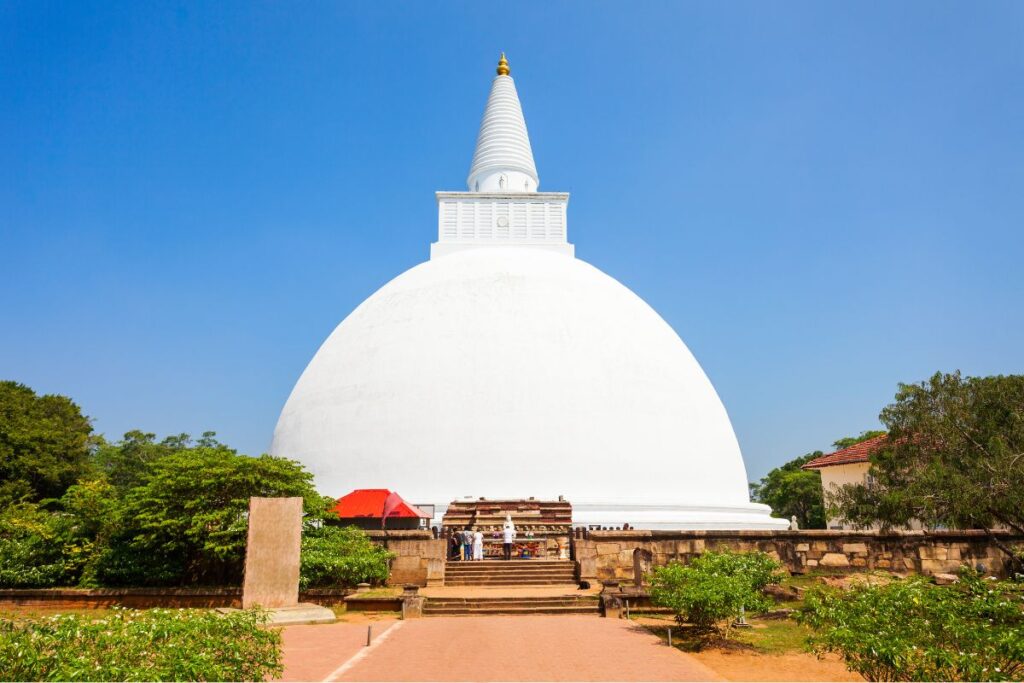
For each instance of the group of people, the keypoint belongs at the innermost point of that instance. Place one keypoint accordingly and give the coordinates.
(469, 545)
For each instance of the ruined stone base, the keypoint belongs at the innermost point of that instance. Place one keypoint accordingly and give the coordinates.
(303, 613)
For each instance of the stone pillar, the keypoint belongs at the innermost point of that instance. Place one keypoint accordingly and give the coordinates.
(272, 563)
(272, 553)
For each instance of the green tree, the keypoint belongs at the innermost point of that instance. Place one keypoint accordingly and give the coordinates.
(790, 491)
(45, 443)
(126, 463)
(710, 592)
(848, 441)
(954, 458)
(913, 630)
(187, 522)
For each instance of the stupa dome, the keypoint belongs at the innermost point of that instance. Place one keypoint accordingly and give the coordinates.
(505, 367)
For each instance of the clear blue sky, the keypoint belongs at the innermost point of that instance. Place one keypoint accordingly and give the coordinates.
(823, 199)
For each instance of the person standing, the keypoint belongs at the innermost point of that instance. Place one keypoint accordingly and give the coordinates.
(478, 545)
(467, 543)
(456, 546)
(508, 536)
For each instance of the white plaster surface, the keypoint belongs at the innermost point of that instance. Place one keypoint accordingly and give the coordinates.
(503, 159)
(514, 372)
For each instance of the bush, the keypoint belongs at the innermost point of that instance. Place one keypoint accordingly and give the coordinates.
(33, 548)
(130, 645)
(912, 630)
(341, 556)
(711, 589)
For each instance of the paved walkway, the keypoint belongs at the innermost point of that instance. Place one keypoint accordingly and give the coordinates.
(314, 652)
(491, 648)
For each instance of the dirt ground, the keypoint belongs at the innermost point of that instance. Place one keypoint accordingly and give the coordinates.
(750, 666)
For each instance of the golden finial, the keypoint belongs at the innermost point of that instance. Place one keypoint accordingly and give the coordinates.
(503, 69)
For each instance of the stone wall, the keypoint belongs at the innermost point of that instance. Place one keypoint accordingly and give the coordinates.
(604, 555)
(419, 557)
(143, 598)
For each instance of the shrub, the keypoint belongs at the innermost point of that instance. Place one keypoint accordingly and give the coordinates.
(341, 556)
(151, 645)
(33, 548)
(912, 630)
(711, 589)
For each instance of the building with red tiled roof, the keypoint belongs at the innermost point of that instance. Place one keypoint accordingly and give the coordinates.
(857, 453)
(371, 508)
(849, 465)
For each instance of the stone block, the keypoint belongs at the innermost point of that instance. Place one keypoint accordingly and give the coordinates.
(272, 553)
(588, 568)
(820, 546)
(909, 564)
(945, 579)
(850, 548)
(802, 547)
(608, 548)
(936, 566)
(834, 560)
(883, 564)
(612, 607)
(412, 607)
(435, 572)
(812, 563)
(859, 562)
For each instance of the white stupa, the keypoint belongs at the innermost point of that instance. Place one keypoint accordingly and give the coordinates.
(505, 367)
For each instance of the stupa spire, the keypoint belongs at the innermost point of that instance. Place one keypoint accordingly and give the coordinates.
(503, 160)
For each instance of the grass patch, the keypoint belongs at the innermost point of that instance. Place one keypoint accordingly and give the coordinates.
(775, 636)
(768, 636)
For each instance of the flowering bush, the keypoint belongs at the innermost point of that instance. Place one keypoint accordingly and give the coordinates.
(711, 590)
(341, 556)
(131, 645)
(912, 630)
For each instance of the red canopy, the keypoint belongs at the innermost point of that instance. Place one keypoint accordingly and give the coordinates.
(374, 502)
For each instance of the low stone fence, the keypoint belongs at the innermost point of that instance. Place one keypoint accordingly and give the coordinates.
(142, 598)
(627, 555)
(419, 557)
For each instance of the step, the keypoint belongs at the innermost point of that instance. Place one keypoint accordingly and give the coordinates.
(483, 577)
(511, 584)
(509, 611)
(507, 563)
(542, 572)
(505, 599)
(509, 570)
(510, 602)
(506, 566)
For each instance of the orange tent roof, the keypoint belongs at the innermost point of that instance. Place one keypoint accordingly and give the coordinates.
(371, 502)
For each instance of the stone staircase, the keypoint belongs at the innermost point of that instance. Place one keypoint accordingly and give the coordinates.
(487, 573)
(559, 604)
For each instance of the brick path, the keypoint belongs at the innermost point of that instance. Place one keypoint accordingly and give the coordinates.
(534, 648)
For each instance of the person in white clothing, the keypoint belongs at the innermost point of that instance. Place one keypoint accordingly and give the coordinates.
(508, 536)
(478, 545)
